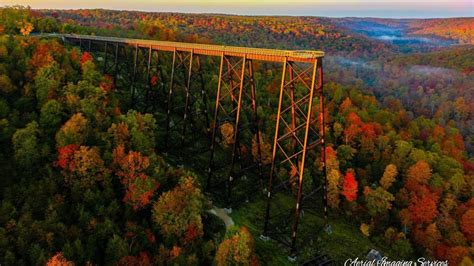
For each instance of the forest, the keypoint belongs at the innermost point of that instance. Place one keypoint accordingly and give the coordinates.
(84, 179)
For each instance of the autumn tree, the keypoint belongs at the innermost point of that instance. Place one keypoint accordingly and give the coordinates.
(142, 259)
(349, 186)
(417, 175)
(88, 166)
(333, 177)
(59, 260)
(423, 207)
(334, 187)
(265, 149)
(119, 135)
(227, 132)
(66, 157)
(42, 57)
(429, 238)
(238, 249)
(178, 211)
(456, 254)
(467, 224)
(389, 176)
(353, 127)
(74, 131)
(132, 168)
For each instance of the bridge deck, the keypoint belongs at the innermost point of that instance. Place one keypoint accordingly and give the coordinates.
(272, 55)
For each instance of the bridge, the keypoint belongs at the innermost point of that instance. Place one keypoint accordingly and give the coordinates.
(173, 74)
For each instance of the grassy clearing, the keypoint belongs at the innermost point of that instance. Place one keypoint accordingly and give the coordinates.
(345, 241)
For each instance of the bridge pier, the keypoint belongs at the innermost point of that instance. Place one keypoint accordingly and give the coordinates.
(292, 141)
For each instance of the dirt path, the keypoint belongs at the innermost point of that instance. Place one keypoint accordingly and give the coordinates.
(222, 214)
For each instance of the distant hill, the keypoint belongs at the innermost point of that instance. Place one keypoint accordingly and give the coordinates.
(269, 32)
(459, 58)
(427, 32)
(459, 29)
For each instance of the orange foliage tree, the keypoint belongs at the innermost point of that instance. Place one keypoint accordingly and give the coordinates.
(423, 207)
(131, 168)
(59, 260)
(467, 224)
(349, 186)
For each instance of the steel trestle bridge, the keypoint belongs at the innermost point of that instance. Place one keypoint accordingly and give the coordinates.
(299, 129)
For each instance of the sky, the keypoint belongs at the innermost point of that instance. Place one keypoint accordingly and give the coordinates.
(329, 8)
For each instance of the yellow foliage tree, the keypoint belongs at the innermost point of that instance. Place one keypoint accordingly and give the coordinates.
(237, 250)
(73, 131)
(365, 229)
(334, 188)
(265, 149)
(88, 166)
(389, 176)
(227, 132)
(26, 28)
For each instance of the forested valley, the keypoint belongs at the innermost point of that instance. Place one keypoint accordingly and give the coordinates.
(84, 179)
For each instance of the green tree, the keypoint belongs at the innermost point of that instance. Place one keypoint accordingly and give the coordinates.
(141, 128)
(378, 201)
(116, 249)
(51, 116)
(47, 82)
(26, 145)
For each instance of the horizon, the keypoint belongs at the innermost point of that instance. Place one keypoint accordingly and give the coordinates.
(338, 9)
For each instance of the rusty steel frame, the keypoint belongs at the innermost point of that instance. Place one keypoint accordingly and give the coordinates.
(292, 140)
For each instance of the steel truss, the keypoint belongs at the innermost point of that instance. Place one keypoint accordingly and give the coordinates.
(296, 135)
(187, 105)
(235, 107)
(299, 125)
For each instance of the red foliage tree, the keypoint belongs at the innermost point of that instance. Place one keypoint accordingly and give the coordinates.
(41, 57)
(418, 175)
(143, 259)
(86, 57)
(66, 157)
(353, 127)
(132, 168)
(423, 208)
(192, 232)
(349, 186)
(467, 224)
(154, 80)
(454, 255)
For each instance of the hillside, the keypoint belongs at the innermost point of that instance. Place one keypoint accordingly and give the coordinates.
(459, 29)
(87, 177)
